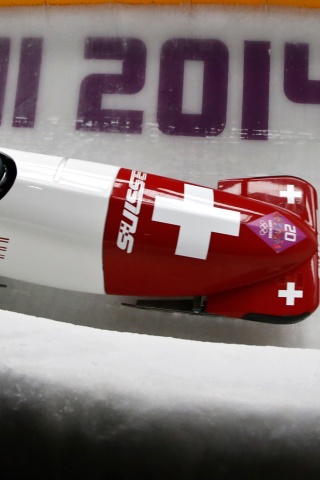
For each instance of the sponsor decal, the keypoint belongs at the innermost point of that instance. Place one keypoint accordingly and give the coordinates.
(131, 211)
(277, 231)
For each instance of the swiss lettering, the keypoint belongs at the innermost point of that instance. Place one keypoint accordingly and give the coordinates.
(130, 214)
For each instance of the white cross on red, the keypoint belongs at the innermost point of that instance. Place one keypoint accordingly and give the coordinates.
(197, 218)
(290, 294)
(291, 194)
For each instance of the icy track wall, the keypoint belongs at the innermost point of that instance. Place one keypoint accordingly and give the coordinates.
(84, 403)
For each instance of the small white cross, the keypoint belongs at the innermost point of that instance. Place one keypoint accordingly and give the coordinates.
(197, 218)
(291, 194)
(290, 294)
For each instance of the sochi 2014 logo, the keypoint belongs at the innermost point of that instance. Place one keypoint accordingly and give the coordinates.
(277, 231)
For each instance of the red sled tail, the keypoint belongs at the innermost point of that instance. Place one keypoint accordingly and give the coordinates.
(291, 193)
(287, 298)
(267, 271)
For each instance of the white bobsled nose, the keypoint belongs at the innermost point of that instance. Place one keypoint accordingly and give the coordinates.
(53, 218)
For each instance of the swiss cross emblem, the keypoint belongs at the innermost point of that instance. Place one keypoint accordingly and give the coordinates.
(291, 194)
(197, 217)
(290, 293)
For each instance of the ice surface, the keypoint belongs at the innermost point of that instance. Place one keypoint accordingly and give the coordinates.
(75, 399)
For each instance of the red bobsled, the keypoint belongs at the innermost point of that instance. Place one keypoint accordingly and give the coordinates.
(248, 249)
